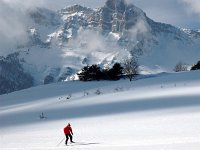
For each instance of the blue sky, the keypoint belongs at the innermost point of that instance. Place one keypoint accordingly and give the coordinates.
(181, 13)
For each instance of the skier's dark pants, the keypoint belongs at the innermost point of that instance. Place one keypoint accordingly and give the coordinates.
(67, 138)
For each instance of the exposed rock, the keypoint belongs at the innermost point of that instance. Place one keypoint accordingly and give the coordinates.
(12, 75)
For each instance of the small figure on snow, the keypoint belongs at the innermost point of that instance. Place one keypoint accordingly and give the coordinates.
(68, 133)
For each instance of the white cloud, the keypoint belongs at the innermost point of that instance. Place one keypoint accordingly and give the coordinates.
(11, 27)
(13, 23)
(24, 4)
(91, 40)
(140, 29)
(194, 6)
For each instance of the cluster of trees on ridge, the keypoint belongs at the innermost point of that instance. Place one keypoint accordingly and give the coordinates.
(129, 68)
(94, 72)
(180, 66)
(196, 66)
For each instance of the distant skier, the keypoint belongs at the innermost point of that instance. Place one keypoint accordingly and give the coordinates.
(68, 133)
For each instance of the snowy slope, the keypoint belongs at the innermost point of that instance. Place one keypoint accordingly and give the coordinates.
(152, 113)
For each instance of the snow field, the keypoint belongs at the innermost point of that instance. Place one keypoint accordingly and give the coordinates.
(155, 113)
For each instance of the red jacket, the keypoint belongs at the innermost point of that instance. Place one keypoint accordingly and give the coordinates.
(68, 130)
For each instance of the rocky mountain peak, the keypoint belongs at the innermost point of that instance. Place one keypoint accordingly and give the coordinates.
(121, 6)
(75, 9)
(116, 5)
(117, 16)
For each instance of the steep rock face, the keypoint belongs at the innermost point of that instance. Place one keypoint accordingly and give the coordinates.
(134, 30)
(192, 33)
(129, 22)
(115, 17)
(12, 75)
(137, 33)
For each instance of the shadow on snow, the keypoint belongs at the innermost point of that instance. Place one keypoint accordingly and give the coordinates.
(95, 110)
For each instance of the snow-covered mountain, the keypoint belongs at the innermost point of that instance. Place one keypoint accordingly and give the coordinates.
(60, 43)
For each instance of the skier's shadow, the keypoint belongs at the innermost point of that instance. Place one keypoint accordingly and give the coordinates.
(83, 143)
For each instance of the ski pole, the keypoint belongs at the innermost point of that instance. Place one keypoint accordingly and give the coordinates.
(61, 141)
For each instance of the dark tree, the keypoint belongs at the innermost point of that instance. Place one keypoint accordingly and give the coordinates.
(180, 67)
(196, 66)
(95, 72)
(115, 72)
(130, 68)
(90, 73)
(84, 74)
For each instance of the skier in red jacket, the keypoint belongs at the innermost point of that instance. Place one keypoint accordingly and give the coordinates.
(68, 133)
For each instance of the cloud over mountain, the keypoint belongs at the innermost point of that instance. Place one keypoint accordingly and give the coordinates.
(194, 6)
(13, 23)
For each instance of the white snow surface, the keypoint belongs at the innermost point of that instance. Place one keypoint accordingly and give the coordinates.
(154, 112)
